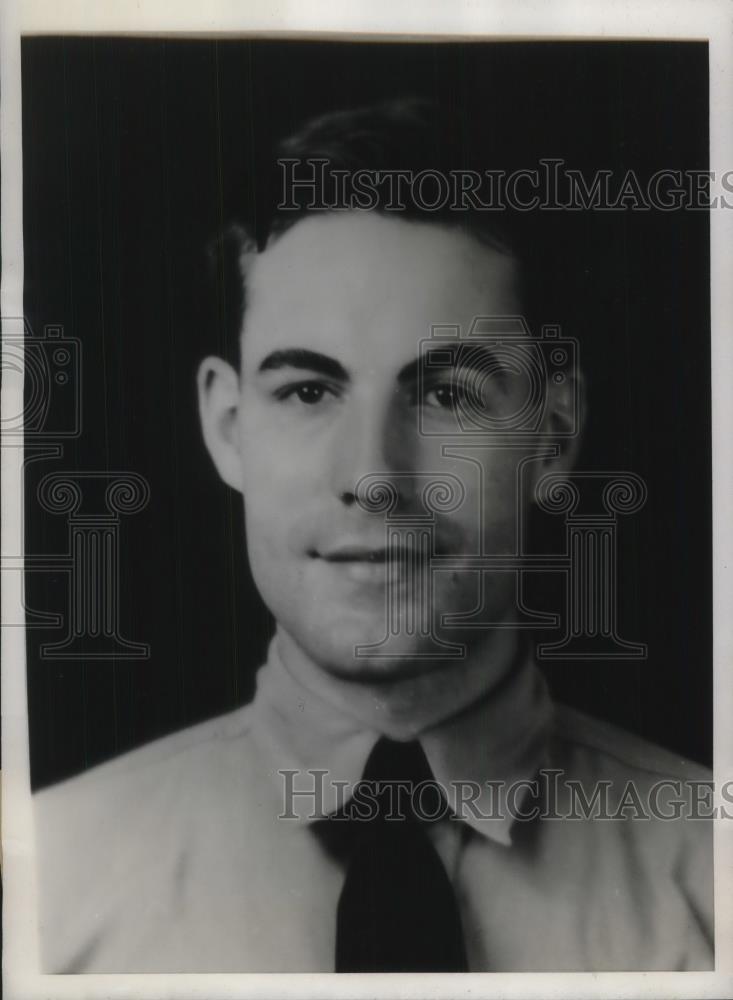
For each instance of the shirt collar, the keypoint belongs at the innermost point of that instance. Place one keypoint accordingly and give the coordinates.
(499, 739)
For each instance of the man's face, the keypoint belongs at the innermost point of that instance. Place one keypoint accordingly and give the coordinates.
(330, 393)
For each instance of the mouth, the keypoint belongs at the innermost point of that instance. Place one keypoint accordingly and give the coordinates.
(364, 554)
(368, 564)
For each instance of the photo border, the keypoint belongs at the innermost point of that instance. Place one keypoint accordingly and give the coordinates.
(398, 20)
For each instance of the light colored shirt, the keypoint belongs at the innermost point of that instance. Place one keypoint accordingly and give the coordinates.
(177, 858)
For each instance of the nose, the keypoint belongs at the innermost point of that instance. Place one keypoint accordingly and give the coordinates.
(372, 443)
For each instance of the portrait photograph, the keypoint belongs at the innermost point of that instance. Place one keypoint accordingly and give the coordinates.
(362, 571)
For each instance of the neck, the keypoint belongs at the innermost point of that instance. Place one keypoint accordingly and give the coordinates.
(407, 706)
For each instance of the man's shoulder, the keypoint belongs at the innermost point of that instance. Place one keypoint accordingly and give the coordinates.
(116, 838)
(147, 801)
(170, 757)
(607, 773)
(637, 822)
(607, 752)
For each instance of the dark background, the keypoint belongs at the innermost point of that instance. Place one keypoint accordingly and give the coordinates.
(137, 151)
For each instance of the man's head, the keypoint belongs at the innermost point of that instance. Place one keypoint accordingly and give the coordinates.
(333, 392)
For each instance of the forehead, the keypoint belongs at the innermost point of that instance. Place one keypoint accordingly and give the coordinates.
(361, 284)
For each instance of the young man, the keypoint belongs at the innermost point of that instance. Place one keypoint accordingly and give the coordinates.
(248, 844)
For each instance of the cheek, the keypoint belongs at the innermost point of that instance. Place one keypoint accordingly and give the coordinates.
(500, 499)
(489, 521)
(268, 494)
(271, 466)
(282, 449)
(489, 480)
(277, 573)
(278, 506)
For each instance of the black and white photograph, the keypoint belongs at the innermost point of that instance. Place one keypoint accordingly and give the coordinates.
(369, 611)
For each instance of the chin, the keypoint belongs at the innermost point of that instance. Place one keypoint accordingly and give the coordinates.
(363, 654)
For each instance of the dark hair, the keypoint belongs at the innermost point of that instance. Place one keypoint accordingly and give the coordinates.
(406, 134)
(409, 134)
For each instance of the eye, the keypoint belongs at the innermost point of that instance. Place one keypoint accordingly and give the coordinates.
(442, 396)
(310, 393)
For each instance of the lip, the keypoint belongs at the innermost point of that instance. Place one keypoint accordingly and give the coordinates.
(371, 555)
(367, 567)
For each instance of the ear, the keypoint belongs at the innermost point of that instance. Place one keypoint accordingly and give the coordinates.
(563, 423)
(218, 390)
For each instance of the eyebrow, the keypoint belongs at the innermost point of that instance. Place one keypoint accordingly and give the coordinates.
(464, 355)
(298, 357)
(314, 361)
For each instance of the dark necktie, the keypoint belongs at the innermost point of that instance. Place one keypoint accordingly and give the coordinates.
(397, 911)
